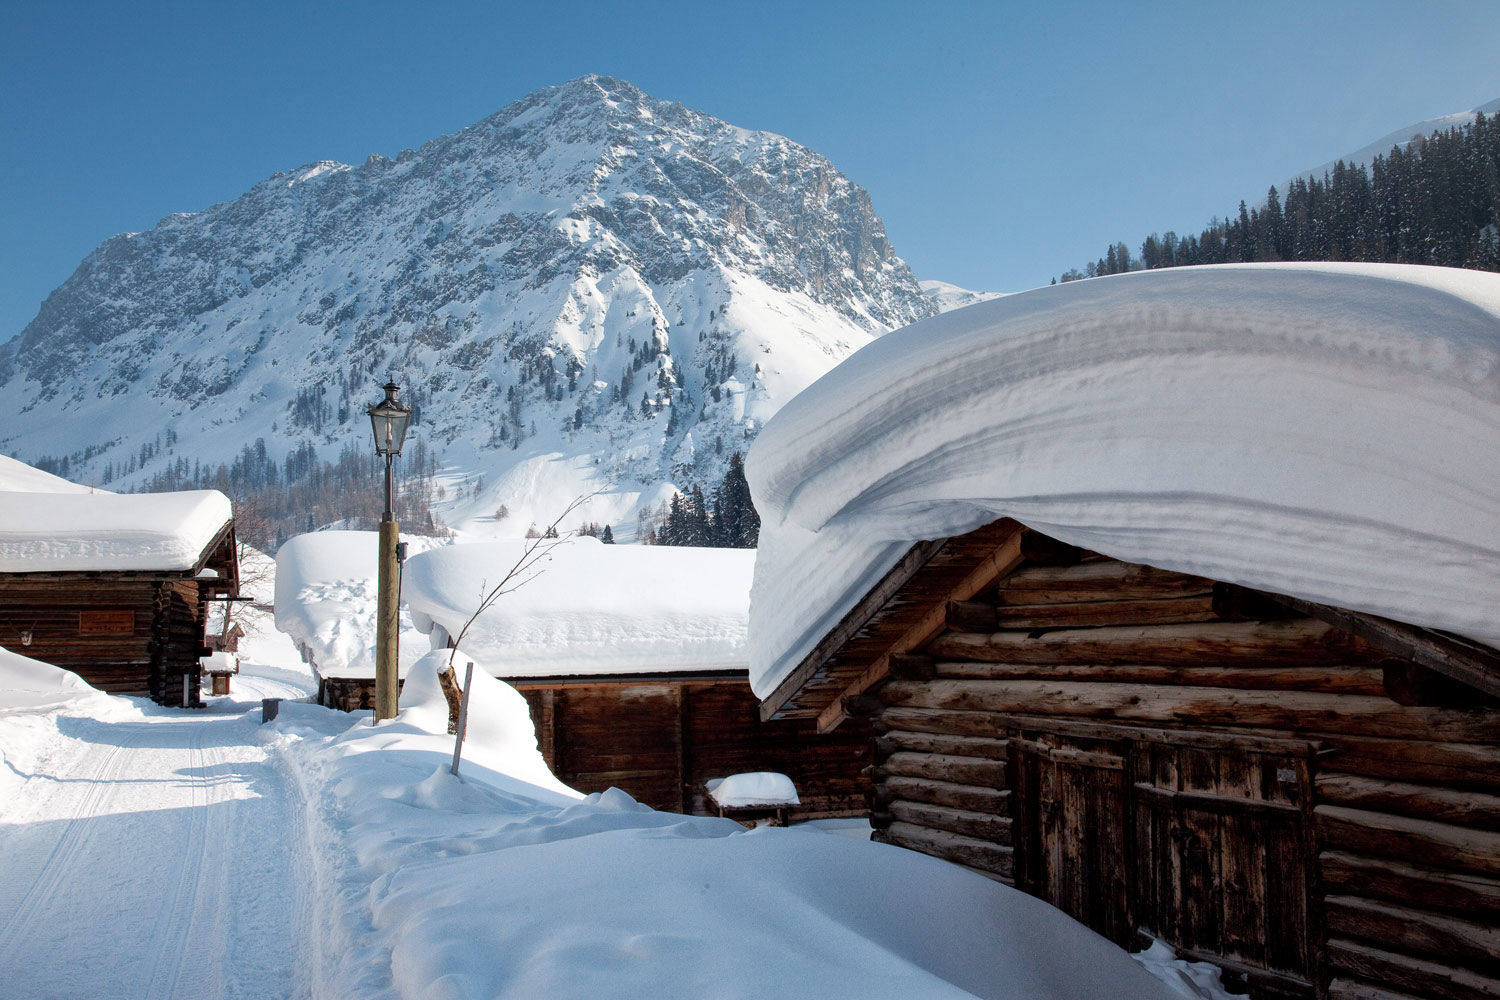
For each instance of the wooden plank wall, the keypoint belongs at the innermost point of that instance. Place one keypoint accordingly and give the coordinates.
(149, 659)
(663, 741)
(1400, 814)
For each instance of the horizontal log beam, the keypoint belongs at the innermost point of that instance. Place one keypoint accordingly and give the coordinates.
(1300, 642)
(1351, 680)
(941, 793)
(969, 851)
(983, 826)
(959, 746)
(1159, 611)
(1101, 580)
(1304, 711)
(1412, 932)
(941, 767)
(1473, 896)
(1457, 765)
(1415, 976)
(1359, 831)
(1444, 805)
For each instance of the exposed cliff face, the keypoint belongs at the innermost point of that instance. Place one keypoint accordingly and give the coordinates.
(590, 288)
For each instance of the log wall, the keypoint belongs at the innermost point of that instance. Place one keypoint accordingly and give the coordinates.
(130, 636)
(1151, 750)
(663, 740)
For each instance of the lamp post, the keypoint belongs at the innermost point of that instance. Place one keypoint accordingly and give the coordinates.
(389, 419)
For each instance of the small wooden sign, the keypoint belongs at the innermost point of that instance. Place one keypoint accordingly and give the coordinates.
(106, 622)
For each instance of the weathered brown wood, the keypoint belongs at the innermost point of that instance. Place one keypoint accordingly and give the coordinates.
(1271, 983)
(911, 667)
(1352, 680)
(1000, 561)
(1417, 977)
(1348, 989)
(959, 770)
(940, 793)
(943, 722)
(1096, 581)
(985, 826)
(1043, 550)
(1407, 683)
(1300, 642)
(971, 616)
(1412, 932)
(1459, 765)
(1472, 896)
(1358, 831)
(1314, 712)
(857, 618)
(453, 694)
(1158, 611)
(1211, 802)
(1461, 659)
(1445, 805)
(969, 851)
(960, 746)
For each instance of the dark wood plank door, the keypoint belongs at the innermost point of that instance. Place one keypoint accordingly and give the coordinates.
(1222, 868)
(1072, 832)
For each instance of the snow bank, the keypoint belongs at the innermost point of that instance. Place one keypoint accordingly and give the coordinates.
(486, 886)
(590, 608)
(31, 685)
(1327, 431)
(326, 594)
(69, 532)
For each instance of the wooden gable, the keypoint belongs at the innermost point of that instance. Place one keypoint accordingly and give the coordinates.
(1307, 796)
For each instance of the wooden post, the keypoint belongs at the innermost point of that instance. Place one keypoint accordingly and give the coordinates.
(463, 716)
(386, 620)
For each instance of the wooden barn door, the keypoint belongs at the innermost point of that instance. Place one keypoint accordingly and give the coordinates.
(1071, 829)
(1222, 866)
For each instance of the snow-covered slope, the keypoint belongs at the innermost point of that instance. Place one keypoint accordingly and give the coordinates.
(1327, 431)
(947, 297)
(1403, 137)
(589, 289)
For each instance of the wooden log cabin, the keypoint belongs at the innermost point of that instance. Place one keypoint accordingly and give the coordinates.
(1145, 730)
(1307, 796)
(632, 659)
(116, 587)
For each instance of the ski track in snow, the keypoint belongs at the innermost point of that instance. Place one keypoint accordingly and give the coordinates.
(161, 860)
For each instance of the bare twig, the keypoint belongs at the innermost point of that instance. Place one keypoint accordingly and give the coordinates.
(526, 568)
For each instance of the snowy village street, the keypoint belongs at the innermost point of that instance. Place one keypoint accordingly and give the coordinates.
(156, 856)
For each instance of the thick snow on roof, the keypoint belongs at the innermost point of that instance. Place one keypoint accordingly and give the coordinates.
(18, 477)
(590, 608)
(68, 532)
(326, 595)
(1328, 431)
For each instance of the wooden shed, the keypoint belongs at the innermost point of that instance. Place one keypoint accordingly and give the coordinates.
(632, 658)
(1305, 795)
(116, 587)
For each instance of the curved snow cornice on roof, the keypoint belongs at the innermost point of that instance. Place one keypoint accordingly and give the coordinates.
(1327, 431)
(79, 532)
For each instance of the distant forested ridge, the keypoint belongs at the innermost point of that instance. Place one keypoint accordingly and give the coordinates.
(1436, 201)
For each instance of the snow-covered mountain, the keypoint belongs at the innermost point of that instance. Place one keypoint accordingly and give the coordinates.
(590, 289)
(1402, 137)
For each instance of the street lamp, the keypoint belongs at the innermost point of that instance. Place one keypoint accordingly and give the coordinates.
(389, 419)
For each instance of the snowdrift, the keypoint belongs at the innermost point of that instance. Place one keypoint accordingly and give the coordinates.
(1328, 431)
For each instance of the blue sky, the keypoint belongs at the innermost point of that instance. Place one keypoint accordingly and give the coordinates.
(1001, 143)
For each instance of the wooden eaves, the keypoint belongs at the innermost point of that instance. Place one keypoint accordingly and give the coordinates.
(911, 604)
(906, 609)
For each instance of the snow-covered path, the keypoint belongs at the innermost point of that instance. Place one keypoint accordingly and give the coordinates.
(154, 856)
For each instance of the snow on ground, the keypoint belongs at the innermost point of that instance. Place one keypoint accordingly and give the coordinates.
(61, 532)
(1327, 431)
(489, 886)
(588, 608)
(148, 852)
(165, 852)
